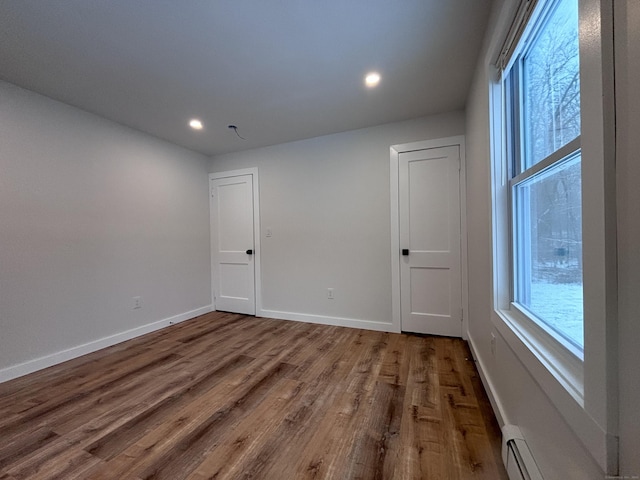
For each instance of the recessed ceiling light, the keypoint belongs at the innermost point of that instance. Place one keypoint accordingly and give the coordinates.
(195, 124)
(372, 79)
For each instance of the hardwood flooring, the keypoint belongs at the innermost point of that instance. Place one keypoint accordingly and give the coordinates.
(230, 396)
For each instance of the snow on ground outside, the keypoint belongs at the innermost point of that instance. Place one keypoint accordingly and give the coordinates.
(560, 306)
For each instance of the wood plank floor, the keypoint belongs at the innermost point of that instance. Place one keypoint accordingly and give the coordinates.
(230, 396)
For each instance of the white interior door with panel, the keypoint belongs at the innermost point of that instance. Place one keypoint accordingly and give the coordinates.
(233, 242)
(430, 242)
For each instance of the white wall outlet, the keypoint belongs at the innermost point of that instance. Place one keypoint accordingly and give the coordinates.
(330, 293)
(269, 233)
(493, 344)
(137, 303)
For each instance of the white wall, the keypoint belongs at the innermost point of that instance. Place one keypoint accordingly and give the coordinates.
(326, 201)
(627, 15)
(91, 215)
(518, 399)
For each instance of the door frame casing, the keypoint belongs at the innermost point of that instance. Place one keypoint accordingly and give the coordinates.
(394, 163)
(257, 252)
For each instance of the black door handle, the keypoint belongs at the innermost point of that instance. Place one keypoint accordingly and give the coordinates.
(249, 252)
(405, 251)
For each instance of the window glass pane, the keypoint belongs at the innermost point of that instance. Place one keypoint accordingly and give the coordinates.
(552, 85)
(548, 248)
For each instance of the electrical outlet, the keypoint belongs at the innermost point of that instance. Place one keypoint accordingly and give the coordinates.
(493, 344)
(137, 303)
(330, 293)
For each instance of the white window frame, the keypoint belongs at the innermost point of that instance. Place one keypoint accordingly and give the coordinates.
(584, 391)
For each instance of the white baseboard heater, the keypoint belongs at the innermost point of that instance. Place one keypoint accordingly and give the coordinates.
(517, 457)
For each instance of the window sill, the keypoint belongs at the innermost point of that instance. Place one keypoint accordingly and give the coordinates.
(564, 367)
(559, 375)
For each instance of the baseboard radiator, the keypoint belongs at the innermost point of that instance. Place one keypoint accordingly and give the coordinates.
(517, 457)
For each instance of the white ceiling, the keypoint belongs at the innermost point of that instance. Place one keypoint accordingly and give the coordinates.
(280, 70)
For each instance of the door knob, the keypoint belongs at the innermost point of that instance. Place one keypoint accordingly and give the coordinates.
(249, 252)
(405, 251)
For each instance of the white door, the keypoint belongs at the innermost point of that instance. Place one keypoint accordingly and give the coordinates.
(232, 244)
(429, 218)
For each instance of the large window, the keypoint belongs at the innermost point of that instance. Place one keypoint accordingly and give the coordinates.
(542, 103)
(553, 208)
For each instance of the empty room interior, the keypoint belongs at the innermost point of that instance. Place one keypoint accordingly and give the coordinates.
(340, 239)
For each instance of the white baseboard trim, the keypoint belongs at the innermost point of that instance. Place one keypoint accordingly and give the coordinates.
(36, 364)
(324, 320)
(496, 404)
